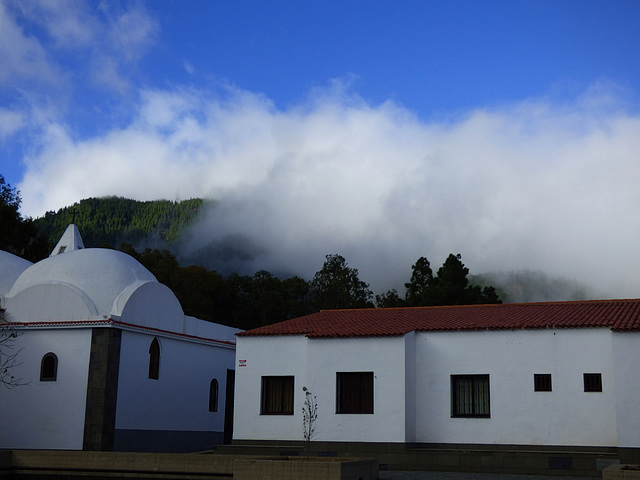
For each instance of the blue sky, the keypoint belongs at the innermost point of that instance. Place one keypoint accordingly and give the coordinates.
(508, 131)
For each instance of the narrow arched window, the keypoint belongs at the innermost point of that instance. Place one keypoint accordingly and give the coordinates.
(49, 368)
(213, 396)
(154, 359)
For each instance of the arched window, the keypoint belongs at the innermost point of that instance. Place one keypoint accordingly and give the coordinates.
(49, 368)
(154, 359)
(213, 396)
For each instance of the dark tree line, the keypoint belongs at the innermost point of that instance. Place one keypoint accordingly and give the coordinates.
(18, 235)
(246, 301)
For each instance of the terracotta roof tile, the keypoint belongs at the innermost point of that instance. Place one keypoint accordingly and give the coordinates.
(614, 314)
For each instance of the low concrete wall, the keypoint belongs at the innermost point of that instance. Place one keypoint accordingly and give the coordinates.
(56, 463)
(296, 468)
(96, 465)
(574, 461)
(621, 472)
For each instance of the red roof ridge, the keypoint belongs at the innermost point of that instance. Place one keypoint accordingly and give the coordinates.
(616, 314)
(493, 305)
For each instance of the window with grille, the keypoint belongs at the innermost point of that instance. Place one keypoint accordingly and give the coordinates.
(277, 395)
(354, 392)
(49, 368)
(470, 396)
(592, 382)
(542, 382)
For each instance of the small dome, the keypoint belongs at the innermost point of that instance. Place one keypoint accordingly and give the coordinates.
(100, 274)
(11, 267)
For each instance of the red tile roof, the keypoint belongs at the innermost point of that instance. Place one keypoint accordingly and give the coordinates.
(618, 315)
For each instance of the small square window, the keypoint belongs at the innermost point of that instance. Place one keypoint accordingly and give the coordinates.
(541, 382)
(592, 382)
(277, 395)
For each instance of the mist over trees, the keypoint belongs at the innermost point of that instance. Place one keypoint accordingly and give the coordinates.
(449, 287)
(249, 301)
(525, 286)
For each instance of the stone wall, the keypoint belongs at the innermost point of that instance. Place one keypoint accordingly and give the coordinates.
(102, 390)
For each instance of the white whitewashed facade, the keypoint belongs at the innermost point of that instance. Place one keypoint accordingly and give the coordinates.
(87, 321)
(533, 376)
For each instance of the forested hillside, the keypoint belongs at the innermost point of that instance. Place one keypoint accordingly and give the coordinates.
(149, 230)
(114, 220)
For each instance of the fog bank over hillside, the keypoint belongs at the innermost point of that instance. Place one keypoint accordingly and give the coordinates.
(533, 185)
(534, 286)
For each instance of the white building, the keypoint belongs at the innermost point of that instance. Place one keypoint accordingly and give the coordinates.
(108, 359)
(547, 374)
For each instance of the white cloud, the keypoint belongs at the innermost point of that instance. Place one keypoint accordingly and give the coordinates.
(68, 22)
(10, 122)
(23, 56)
(65, 42)
(131, 32)
(532, 185)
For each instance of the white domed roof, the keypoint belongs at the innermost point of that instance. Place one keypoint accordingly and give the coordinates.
(101, 274)
(11, 267)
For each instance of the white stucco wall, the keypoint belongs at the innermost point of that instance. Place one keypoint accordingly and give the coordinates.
(256, 357)
(565, 416)
(626, 355)
(179, 398)
(47, 415)
(314, 363)
(412, 386)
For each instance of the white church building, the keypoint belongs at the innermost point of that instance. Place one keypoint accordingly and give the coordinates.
(107, 360)
(560, 375)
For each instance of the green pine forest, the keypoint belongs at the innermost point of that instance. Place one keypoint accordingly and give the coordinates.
(116, 220)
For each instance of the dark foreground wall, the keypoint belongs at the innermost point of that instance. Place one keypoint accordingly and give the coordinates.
(54, 465)
(165, 441)
(58, 464)
(573, 461)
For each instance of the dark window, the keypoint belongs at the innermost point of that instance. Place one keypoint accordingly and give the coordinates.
(213, 396)
(49, 368)
(354, 392)
(542, 382)
(277, 395)
(592, 382)
(470, 396)
(154, 359)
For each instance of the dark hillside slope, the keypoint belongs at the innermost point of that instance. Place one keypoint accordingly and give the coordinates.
(114, 220)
